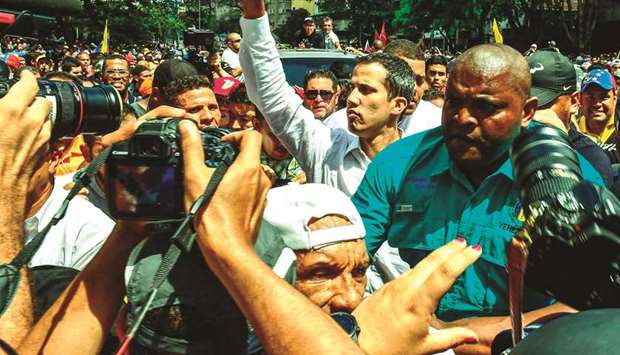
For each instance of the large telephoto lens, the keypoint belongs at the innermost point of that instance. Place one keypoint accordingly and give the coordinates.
(77, 109)
(544, 164)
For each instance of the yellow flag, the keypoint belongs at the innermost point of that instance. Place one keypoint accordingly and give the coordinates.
(498, 35)
(106, 38)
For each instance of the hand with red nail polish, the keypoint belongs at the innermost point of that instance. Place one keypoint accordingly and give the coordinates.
(403, 309)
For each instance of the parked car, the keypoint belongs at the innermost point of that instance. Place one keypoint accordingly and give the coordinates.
(297, 62)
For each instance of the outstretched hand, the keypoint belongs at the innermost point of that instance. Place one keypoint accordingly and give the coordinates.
(402, 310)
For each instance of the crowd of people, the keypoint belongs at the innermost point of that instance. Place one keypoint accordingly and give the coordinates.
(371, 215)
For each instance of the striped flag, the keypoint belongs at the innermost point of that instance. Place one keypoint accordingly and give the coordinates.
(105, 42)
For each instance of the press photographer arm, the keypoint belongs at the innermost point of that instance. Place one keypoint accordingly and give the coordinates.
(87, 308)
(23, 142)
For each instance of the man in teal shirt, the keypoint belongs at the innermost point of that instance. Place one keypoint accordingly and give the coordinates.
(457, 181)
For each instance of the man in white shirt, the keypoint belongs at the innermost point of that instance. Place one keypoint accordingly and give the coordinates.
(331, 39)
(77, 238)
(382, 87)
(231, 54)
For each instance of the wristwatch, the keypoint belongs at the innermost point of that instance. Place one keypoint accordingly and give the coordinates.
(348, 322)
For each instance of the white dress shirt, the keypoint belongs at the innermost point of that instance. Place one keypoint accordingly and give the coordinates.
(425, 116)
(76, 239)
(328, 156)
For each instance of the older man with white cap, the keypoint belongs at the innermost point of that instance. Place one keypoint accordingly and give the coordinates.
(317, 229)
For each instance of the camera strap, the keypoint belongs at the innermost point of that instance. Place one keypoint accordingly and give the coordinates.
(9, 273)
(181, 242)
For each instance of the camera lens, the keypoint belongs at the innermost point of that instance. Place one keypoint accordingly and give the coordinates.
(544, 164)
(76, 109)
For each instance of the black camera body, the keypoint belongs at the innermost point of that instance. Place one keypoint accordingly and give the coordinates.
(145, 173)
(77, 109)
(572, 227)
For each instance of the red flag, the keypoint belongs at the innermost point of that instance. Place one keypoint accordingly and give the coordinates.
(383, 34)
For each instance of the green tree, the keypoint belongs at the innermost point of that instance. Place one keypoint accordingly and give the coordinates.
(289, 29)
(364, 16)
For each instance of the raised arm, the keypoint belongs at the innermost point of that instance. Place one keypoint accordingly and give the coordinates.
(305, 137)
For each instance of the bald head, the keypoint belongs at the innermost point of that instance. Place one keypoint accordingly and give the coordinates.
(492, 60)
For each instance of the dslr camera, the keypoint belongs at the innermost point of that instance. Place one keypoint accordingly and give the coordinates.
(77, 109)
(572, 227)
(145, 173)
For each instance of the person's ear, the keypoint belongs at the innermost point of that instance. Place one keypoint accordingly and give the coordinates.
(399, 105)
(574, 103)
(529, 109)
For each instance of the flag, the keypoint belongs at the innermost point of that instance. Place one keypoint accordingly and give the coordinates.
(367, 48)
(498, 35)
(105, 42)
(382, 36)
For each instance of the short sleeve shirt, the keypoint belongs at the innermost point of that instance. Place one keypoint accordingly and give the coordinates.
(414, 197)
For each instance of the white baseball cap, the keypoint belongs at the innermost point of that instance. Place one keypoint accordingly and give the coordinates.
(290, 208)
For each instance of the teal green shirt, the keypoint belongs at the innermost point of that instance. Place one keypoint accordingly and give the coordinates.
(413, 196)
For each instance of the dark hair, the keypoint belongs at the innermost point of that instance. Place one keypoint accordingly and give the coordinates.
(597, 66)
(437, 59)
(172, 90)
(404, 48)
(114, 56)
(327, 19)
(69, 63)
(63, 75)
(321, 73)
(138, 69)
(432, 94)
(5, 71)
(400, 80)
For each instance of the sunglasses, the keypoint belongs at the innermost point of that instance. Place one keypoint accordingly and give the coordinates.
(325, 95)
(235, 40)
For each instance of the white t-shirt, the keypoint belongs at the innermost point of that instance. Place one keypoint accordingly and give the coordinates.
(232, 58)
(76, 239)
(331, 40)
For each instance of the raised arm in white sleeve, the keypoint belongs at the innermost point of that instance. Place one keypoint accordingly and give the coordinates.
(306, 138)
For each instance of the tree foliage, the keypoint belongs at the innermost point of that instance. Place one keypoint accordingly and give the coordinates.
(529, 19)
(364, 16)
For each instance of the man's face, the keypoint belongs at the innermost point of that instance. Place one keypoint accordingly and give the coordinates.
(43, 67)
(334, 277)
(234, 41)
(242, 115)
(437, 76)
(84, 60)
(116, 73)
(480, 117)
(320, 97)
(309, 27)
(418, 67)
(201, 105)
(597, 104)
(145, 74)
(328, 26)
(77, 71)
(369, 108)
(271, 144)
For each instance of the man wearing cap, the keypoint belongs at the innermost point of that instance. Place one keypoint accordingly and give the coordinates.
(554, 85)
(598, 98)
(231, 54)
(308, 37)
